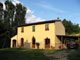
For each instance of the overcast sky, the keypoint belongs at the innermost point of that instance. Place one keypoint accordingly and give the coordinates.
(40, 10)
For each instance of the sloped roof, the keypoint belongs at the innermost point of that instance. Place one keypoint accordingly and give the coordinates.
(42, 22)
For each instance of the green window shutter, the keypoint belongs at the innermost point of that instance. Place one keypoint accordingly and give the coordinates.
(22, 29)
(47, 27)
(33, 29)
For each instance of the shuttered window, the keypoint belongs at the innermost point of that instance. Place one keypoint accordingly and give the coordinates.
(47, 27)
(22, 29)
(33, 28)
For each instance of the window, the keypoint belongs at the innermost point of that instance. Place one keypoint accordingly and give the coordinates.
(47, 27)
(33, 28)
(22, 29)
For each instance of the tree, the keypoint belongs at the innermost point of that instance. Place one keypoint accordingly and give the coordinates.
(12, 16)
(9, 15)
(70, 27)
(19, 15)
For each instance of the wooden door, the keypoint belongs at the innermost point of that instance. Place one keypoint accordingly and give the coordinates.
(14, 43)
(47, 43)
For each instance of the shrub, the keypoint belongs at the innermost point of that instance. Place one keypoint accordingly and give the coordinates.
(37, 44)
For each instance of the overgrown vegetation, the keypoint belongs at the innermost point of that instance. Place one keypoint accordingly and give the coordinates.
(10, 18)
(25, 54)
(71, 28)
(33, 54)
(75, 55)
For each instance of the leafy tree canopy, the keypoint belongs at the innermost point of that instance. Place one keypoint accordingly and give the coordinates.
(70, 27)
(10, 18)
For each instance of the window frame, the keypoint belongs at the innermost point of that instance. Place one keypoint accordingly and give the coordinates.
(33, 28)
(22, 29)
(47, 27)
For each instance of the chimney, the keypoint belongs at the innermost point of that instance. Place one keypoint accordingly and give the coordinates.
(58, 18)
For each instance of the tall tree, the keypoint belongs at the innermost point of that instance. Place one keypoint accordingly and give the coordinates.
(20, 14)
(15, 14)
(12, 16)
(70, 27)
(9, 15)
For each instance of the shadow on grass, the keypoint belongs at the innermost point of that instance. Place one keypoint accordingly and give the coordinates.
(75, 55)
(22, 54)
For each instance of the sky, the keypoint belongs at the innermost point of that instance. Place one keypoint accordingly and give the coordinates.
(41, 10)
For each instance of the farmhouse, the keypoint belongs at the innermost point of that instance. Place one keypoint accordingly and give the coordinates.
(48, 34)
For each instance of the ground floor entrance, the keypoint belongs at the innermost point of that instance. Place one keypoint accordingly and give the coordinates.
(33, 42)
(14, 43)
(47, 43)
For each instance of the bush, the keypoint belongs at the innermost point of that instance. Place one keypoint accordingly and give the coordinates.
(37, 44)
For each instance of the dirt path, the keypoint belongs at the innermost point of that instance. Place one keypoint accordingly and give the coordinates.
(60, 55)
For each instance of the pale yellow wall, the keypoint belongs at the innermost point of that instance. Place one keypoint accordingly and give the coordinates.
(60, 29)
(40, 34)
(59, 43)
(13, 38)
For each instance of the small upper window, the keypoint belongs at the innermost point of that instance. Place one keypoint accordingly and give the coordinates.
(33, 28)
(22, 29)
(47, 27)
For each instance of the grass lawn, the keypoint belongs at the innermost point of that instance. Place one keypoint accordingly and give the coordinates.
(75, 55)
(25, 54)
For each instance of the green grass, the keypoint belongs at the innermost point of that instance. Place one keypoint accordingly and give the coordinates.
(75, 55)
(25, 54)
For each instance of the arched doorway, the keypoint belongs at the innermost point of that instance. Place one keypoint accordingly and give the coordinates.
(47, 43)
(33, 42)
(22, 42)
(14, 43)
